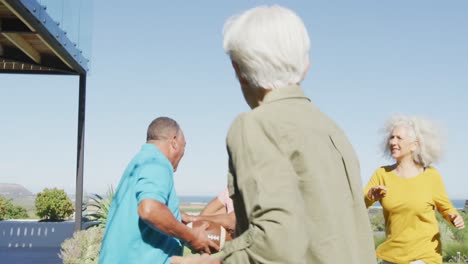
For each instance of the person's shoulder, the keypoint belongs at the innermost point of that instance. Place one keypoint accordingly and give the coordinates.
(432, 170)
(432, 173)
(153, 164)
(244, 121)
(247, 127)
(240, 119)
(383, 171)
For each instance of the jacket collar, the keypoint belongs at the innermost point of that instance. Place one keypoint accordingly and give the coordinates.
(290, 91)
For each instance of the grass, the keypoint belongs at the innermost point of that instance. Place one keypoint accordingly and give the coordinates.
(378, 239)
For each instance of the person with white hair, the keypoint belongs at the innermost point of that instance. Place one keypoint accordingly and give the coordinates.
(409, 191)
(293, 175)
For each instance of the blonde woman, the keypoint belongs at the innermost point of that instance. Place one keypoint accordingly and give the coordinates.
(410, 191)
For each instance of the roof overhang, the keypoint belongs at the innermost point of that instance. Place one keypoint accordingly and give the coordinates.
(32, 42)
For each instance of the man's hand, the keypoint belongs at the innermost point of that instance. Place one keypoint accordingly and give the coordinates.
(195, 259)
(377, 192)
(228, 221)
(201, 242)
(457, 221)
(165, 221)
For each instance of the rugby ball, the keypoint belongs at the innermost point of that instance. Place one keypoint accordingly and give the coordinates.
(216, 232)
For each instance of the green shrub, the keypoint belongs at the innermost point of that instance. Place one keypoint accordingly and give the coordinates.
(378, 239)
(10, 211)
(454, 241)
(3, 208)
(446, 234)
(461, 235)
(451, 250)
(53, 204)
(83, 247)
(377, 222)
(98, 207)
(458, 235)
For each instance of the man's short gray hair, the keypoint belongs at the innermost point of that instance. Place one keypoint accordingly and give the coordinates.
(270, 44)
(427, 133)
(162, 128)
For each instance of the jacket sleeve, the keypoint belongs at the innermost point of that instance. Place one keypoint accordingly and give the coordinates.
(272, 212)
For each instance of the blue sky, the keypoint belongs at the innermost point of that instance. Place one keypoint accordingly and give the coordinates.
(369, 60)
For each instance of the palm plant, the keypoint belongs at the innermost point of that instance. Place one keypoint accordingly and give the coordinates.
(98, 207)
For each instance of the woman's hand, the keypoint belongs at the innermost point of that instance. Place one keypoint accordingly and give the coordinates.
(186, 218)
(457, 221)
(376, 193)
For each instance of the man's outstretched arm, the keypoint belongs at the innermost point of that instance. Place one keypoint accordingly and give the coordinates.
(160, 217)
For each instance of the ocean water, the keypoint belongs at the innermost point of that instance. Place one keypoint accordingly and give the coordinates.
(457, 203)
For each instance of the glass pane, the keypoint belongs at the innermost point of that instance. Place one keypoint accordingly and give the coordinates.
(75, 18)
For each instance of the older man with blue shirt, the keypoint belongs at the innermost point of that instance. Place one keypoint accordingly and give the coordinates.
(144, 222)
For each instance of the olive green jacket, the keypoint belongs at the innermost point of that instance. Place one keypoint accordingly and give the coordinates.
(295, 182)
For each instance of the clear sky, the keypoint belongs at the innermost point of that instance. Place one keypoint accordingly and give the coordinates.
(369, 60)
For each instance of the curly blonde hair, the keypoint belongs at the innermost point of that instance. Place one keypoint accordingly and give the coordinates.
(426, 132)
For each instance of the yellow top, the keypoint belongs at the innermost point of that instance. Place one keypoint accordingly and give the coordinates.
(410, 222)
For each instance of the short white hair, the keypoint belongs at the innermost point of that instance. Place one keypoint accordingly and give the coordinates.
(270, 44)
(426, 132)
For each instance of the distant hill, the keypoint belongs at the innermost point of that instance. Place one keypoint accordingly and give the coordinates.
(19, 195)
(13, 191)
